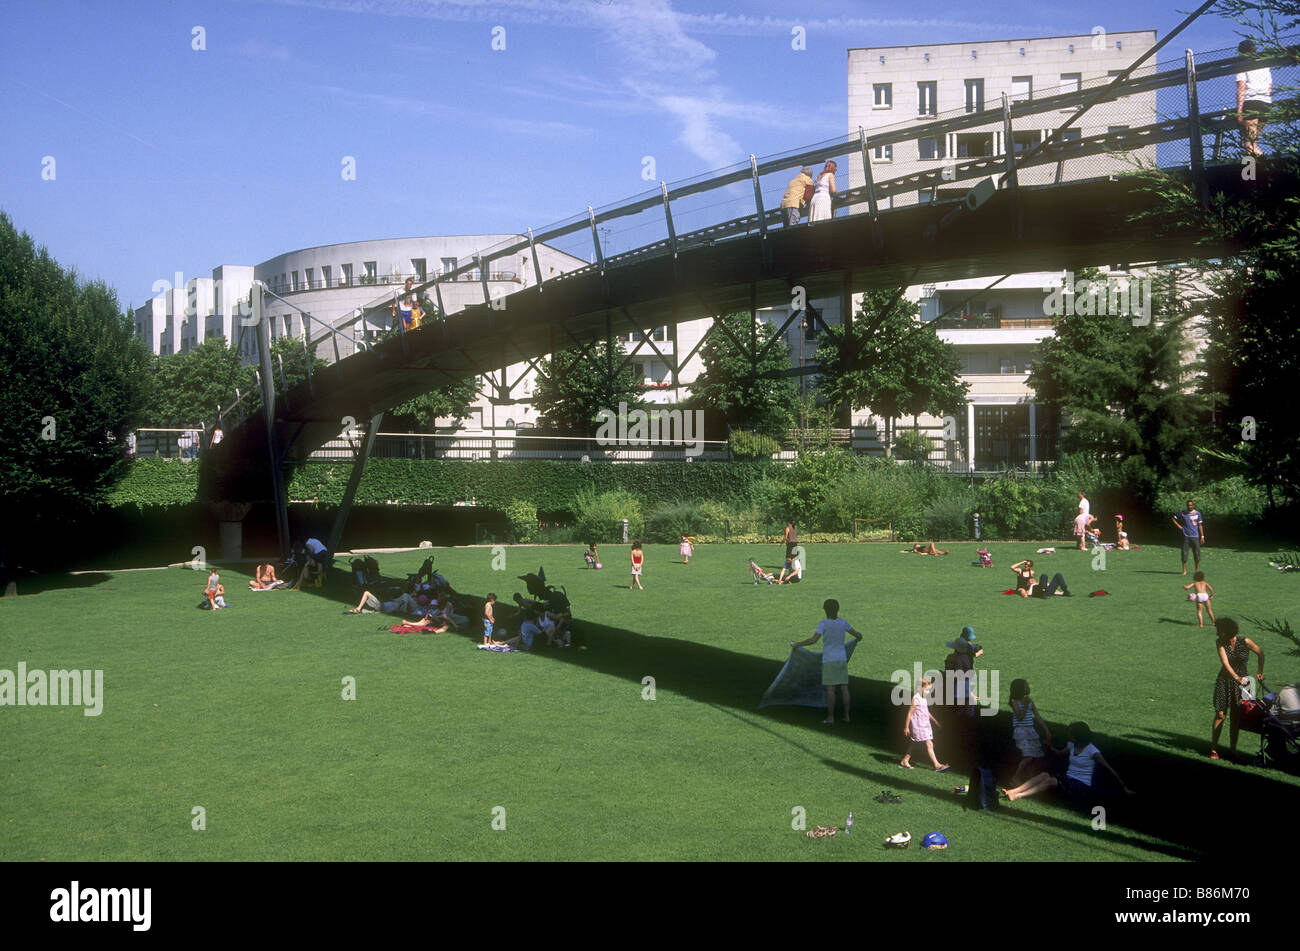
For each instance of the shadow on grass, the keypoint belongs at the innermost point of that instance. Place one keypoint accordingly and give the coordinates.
(1180, 801)
(29, 585)
(1170, 620)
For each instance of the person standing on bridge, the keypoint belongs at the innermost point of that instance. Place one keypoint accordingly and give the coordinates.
(797, 194)
(820, 210)
(1254, 99)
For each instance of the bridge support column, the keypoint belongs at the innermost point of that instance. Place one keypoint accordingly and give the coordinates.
(1194, 133)
(267, 379)
(354, 480)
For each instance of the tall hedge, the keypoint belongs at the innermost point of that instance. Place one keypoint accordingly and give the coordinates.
(550, 486)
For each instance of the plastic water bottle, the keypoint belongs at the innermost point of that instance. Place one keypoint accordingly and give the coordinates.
(848, 823)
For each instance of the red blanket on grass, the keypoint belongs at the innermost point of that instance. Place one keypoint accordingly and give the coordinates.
(408, 629)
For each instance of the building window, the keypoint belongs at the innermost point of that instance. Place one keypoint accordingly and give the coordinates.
(347, 276)
(372, 271)
(974, 95)
(419, 268)
(1071, 82)
(930, 147)
(325, 275)
(882, 153)
(927, 98)
(448, 265)
(1022, 88)
(1069, 135)
(1025, 139)
(311, 276)
(974, 144)
(882, 95)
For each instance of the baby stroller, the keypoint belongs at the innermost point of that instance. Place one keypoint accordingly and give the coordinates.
(758, 574)
(1276, 718)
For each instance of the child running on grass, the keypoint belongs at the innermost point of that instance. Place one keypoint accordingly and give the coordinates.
(637, 559)
(917, 728)
(1202, 593)
(489, 622)
(686, 549)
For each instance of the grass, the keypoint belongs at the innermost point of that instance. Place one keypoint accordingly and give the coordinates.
(241, 713)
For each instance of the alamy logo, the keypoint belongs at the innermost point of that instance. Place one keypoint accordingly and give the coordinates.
(656, 427)
(55, 688)
(948, 688)
(1111, 297)
(102, 904)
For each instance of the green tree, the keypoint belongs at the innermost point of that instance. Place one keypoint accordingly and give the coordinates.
(1121, 381)
(451, 400)
(188, 387)
(72, 387)
(572, 388)
(1247, 296)
(889, 362)
(741, 386)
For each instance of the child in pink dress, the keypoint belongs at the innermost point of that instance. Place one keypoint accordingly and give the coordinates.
(686, 549)
(917, 728)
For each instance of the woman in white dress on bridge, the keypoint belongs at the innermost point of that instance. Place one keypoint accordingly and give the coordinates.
(820, 209)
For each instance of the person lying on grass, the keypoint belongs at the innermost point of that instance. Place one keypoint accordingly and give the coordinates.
(919, 549)
(1077, 777)
(370, 603)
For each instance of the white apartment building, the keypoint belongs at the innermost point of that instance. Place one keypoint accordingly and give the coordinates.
(996, 330)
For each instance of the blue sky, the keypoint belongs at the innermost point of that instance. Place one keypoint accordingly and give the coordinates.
(171, 159)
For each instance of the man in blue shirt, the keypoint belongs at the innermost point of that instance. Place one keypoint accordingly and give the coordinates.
(1193, 533)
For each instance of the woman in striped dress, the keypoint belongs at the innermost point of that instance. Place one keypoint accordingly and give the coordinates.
(1234, 651)
(1028, 732)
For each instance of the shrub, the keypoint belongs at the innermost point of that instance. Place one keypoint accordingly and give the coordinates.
(948, 517)
(599, 515)
(910, 444)
(745, 445)
(879, 489)
(1007, 502)
(522, 517)
(1231, 496)
(803, 490)
(670, 521)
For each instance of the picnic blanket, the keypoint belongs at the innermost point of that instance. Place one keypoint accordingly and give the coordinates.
(499, 649)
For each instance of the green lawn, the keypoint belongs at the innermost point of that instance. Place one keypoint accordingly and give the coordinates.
(240, 712)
